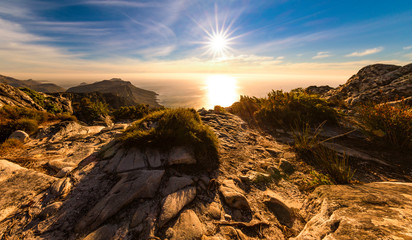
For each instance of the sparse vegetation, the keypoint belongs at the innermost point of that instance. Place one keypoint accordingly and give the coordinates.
(282, 109)
(219, 109)
(318, 180)
(175, 127)
(42, 101)
(9, 145)
(391, 124)
(308, 146)
(131, 112)
(89, 111)
(18, 118)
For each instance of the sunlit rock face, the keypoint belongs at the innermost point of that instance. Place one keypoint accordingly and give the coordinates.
(377, 83)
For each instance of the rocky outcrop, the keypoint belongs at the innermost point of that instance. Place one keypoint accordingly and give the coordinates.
(376, 83)
(370, 211)
(14, 97)
(320, 90)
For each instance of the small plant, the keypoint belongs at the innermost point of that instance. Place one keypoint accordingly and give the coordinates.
(391, 124)
(175, 127)
(10, 145)
(131, 112)
(318, 180)
(308, 146)
(219, 109)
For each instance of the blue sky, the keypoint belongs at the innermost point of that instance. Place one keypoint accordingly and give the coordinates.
(43, 39)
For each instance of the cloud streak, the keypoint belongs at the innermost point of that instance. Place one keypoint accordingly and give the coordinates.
(320, 55)
(365, 52)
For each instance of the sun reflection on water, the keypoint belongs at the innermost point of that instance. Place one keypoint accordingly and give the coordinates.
(221, 90)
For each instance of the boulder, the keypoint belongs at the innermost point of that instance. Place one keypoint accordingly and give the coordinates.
(369, 211)
(20, 135)
(173, 203)
(132, 185)
(286, 166)
(181, 155)
(233, 196)
(187, 226)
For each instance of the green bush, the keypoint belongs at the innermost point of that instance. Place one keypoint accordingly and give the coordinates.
(131, 112)
(175, 127)
(283, 109)
(15, 113)
(391, 124)
(89, 111)
(41, 100)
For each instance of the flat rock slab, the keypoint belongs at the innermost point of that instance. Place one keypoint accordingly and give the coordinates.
(181, 155)
(176, 183)
(369, 211)
(187, 226)
(175, 202)
(134, 159)
(19, 186)
(132, 185)
(103, 233)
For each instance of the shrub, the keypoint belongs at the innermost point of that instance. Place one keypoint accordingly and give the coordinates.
(30, 126)
(14, 113)
(131, 112)
(389, 123)
(219, 109)
(9, 145)
(283, 109)
(41, 100)
(89, 111)
(175, 127)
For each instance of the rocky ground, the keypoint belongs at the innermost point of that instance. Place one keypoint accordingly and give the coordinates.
(77, 182)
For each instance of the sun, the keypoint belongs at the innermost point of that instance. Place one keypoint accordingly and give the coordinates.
(219, 45)
(219, 36)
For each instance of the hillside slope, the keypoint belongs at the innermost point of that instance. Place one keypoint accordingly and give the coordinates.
(132, 95)
(35, 85)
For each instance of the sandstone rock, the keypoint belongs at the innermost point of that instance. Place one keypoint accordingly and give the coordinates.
(181, 155)
(233, 196)
(50, 209)
(114, 162)
(214, 210)
(175, 202)
(176, 183)
(105, 232)
(19, 186)
(63, 172)
(58, 165)
(20, 135)
(15, 97)
(155, 158)
(142, 213)
(61, 187)
(187, 226)
(132, 185)
(283, 213)
(134, 159)
(378, 83)
(369, 211)
(286, 166)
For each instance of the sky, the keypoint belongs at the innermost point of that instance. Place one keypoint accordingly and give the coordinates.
(92, 40)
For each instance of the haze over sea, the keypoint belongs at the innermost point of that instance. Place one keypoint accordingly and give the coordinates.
(217, 89)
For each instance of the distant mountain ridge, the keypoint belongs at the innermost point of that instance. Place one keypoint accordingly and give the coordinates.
(118, 87)
(32, 84)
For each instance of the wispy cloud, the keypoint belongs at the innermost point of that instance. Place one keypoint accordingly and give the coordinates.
(320, 55)
(407, 48)
(119, 3)
(365, 52)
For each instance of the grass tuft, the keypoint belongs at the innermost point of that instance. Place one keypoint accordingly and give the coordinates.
(10, 145)
(175, 127)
